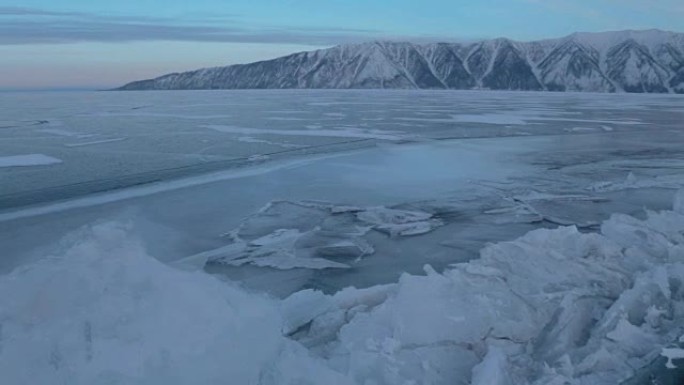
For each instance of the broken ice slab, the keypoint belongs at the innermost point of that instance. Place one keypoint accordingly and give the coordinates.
(566, 306)
(315, 235)
(399, 222)
(564, 209)
(632, 181)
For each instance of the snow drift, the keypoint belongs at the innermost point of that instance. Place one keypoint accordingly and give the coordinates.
(552, 307)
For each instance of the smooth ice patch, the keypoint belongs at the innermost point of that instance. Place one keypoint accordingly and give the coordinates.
(63, 132)
(341, 133)
(94, 142)
(516, 118)
(490, 118)
(28, 160)
(249, 139)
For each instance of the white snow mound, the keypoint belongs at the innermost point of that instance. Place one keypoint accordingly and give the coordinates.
(106, 313)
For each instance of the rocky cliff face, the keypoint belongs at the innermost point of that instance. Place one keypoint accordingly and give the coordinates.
(627, 61)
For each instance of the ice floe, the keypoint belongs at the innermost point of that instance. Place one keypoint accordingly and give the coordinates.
(314, 235)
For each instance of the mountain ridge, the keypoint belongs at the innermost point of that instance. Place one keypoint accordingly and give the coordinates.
(648, 61)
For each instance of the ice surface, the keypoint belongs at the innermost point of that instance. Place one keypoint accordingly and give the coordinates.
(146, 190)
(168, 136)
(27, 160)
(554, 306)
(492, 370)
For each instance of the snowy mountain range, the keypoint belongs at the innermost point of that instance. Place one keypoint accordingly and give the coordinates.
(626, 61)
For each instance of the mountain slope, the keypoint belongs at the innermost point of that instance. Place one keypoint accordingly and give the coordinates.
(626, 61)
(573, 67)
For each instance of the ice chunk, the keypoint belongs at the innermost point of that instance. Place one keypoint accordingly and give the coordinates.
(568, 307)
(384, 216)
(279, 238)
(314, 235)
(631, 337)
(672, 354)
(399, 222)
(347, 248)
(492, 370)
(302, 307)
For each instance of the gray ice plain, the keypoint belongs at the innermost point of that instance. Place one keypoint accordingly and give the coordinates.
(341, 237)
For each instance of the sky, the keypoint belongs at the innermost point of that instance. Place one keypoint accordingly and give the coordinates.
(92, 44)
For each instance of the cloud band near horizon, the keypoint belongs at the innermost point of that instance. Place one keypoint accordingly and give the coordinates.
(86, 43)
(22, 26)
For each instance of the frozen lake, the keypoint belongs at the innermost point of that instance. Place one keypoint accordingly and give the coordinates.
(283, 191)
(188, 167)
(100, 141)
